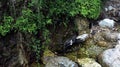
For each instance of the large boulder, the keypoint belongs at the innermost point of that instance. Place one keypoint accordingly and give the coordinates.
(88, 62)
(110, 57)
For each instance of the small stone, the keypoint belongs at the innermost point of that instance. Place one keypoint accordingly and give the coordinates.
(110, 8)
(82, 37)
(106, 9)
(102, 43)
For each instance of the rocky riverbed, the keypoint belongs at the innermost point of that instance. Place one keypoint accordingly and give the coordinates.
(101, 48)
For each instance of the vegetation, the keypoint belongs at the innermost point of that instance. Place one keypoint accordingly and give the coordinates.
(34, 16)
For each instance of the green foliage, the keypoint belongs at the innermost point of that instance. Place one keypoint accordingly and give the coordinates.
(36, 47)
(36, 15)
(64, 9)
(89, 8)
(47, 12)
(6, 26)
(26, 22)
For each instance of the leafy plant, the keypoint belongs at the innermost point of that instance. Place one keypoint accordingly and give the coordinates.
(26, 22)
(87, 8)
(36, 15)
(36, 47)
(6, 26)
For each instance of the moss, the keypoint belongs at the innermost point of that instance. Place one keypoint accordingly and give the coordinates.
(34, 64)
(72, 56)
(78, 54)
(47, 52)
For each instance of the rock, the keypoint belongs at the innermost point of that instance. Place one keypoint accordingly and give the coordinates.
(74, 41)
(104, 37)
(88, 62)
(107, 23)
(59, 61)
(47, 53)
(111, 8)
(112, 37)
(102, 43)
(82, 37)
(110, 57)
(94, 50)
(82, 25)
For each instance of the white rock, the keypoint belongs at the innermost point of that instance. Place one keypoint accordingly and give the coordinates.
(118, 44)
(119, 36)
(111, 57)
(82, 37)
(106, 9)
(88, 62)
(110, 8)
(107, 23)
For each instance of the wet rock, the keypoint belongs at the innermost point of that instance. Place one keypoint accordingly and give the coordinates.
(59, 61)
(107, 23)
(82, 25)
(88, 62)
(110, 57)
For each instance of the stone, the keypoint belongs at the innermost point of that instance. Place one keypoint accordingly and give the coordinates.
(59, 61)
(94, 50)
(112, 36)
(47, 53)
(82, 37)
(102, 43)
(110, 57)
(110, 7)
(88, 62)
(107, 23)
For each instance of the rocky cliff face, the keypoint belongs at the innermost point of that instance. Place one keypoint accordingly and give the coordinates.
(12, 52)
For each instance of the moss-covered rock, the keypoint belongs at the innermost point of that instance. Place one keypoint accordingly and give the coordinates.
(88, 62)
(47, 53)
